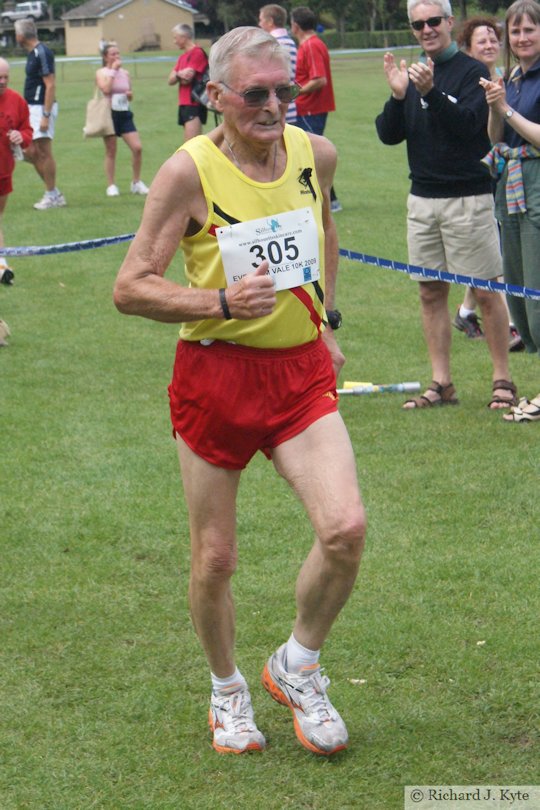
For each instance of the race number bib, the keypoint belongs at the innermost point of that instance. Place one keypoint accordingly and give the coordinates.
(119, 102)
(289, 241)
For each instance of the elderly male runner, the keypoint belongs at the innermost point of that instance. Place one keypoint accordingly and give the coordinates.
(255, 369)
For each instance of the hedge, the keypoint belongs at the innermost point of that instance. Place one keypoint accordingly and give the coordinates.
(367, 39)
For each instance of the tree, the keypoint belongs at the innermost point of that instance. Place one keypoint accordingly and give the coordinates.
(463, 9)
(369, 15)
(232, 13)
(341, 11)
(492, 6)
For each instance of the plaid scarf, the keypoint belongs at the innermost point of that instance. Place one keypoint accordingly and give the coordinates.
(515, 192)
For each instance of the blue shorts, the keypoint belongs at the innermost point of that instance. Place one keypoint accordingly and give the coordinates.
(312, 123)
(123, 122)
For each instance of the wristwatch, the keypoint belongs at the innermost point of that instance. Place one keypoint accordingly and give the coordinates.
(46, 114)
(334, 318)
(509, 113)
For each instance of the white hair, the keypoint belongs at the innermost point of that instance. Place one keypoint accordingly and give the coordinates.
(26, 29)
(185, 30)
(246, 40)
(444, 6)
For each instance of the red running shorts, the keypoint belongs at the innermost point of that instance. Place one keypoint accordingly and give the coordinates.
(228, 401)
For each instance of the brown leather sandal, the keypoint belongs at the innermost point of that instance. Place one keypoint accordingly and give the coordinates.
(446, 394)
(506, 402)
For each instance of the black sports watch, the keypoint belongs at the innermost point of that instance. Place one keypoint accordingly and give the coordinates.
(46, 114)
(334, 318)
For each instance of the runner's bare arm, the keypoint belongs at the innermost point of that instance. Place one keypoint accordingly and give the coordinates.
(175, 207)
(325, 165)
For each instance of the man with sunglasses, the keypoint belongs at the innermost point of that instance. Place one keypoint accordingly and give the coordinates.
(438, 109)
(255, 369)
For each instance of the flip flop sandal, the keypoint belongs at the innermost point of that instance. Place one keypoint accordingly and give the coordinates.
(446, 394)
(497, 399)
(519, 414)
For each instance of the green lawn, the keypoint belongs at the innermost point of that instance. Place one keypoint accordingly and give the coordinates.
(104, 696)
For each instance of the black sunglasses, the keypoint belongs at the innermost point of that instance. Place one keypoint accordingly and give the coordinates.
(258, 96)
(433, 22)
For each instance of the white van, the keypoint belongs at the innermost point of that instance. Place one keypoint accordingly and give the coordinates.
(37, 10)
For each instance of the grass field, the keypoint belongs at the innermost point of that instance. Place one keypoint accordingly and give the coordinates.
(104, 697)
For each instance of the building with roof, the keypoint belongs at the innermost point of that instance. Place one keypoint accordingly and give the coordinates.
(135, 25)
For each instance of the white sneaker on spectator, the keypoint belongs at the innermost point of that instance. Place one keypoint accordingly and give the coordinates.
(113, 191)
(139, 188)
(50, 200)
(4, 333)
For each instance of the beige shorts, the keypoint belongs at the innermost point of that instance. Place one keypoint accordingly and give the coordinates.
(455, 234)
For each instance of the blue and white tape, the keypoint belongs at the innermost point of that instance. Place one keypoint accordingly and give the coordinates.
(67, 247)
(364, 258)
(441, 275)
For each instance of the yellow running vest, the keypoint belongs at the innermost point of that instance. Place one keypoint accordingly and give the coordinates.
(232, 197)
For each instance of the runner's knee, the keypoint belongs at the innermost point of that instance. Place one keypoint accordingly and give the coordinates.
(215, 561)
(344, 540)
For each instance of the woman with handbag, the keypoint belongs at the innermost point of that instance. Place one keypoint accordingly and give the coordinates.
(115, 83)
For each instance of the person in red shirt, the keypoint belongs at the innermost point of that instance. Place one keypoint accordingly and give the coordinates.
(313, 75)
(189, 68)
(15, 135)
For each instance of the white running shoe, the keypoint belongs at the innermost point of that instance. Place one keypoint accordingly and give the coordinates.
(139, 188)
(231, 720)
(50, 201)
(112, 191)
(4, 333)
(317, 724)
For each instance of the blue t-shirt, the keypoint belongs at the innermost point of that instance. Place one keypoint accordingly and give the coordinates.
(523, 95)
(39, 63)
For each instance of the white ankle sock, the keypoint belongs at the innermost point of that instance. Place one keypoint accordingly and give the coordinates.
(299, 657)
(464, 312)
(224, 684)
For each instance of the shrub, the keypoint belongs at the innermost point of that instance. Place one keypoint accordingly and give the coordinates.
(367, 39)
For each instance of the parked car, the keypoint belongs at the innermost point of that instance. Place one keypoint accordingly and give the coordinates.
(36, 10)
